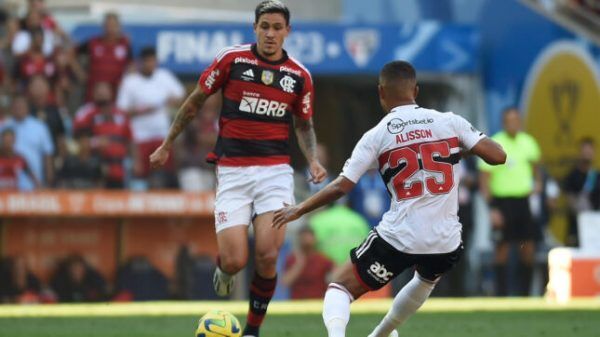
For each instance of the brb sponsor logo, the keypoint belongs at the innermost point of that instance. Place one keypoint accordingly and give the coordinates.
(380, 272)
(252, 103)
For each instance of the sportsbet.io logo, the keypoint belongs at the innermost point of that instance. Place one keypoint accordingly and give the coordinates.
(396, 125)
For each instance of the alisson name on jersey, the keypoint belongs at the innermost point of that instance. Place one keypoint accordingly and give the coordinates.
(412, 135)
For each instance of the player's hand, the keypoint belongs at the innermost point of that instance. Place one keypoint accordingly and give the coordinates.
(285, 215)
(159, 156)
(496, 218)
(317, 172)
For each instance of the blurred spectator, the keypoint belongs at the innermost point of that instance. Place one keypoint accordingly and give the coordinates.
(4, 106)
(33, 142)
(46, 111)
(11, 163)
(306, 270)
(195, 174)
(193, 276)
(110, 131)
(370, 197)
(147, 96)
(17, 283)
(76, 281)
(68, 74)
(23, 39)
(47, 20)
(108, 55)
(507, 189)
(80, 171)
(33, 62)
(139, 280)
(338, 229)
(582, 186)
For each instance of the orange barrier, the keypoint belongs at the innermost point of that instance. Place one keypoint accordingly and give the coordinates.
(105, 227)
(106, 204)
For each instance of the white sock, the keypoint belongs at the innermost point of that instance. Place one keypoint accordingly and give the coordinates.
(406, 303)
(336, 310)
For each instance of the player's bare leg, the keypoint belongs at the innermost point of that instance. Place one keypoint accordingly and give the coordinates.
(268, 241)
(233, 256)
(500, 266)
(340, 294)
(525, 272)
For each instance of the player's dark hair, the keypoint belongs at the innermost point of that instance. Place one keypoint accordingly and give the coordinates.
(7, 131)
(272, 6)
(587, 140)
(148, 51)
(306, 229)
(508, 110)
(398, 70)
(111, 15)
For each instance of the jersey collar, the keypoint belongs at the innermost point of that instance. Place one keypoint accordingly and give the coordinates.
(405, 107)
(283, 58)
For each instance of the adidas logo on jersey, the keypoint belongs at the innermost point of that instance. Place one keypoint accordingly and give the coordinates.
(248, 75)
(261, 106)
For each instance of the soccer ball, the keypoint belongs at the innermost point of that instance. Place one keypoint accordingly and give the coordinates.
(218, 323)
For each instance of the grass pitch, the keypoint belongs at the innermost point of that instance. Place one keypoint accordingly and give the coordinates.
(439, 317)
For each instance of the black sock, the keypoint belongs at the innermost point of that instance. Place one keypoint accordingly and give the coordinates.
(525, 276)
(261, 292)
(500, 283)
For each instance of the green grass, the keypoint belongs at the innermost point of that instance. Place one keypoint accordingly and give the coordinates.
(439, 318)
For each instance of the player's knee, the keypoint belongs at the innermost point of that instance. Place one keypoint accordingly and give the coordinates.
(232, 264)
(267, 258)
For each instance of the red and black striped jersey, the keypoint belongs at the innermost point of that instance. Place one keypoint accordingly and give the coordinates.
(259, 98)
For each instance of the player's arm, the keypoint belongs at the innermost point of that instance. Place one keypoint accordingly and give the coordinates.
(307, 140)
(363, 157)
(183, 117)
(332, 192)
(490, 151)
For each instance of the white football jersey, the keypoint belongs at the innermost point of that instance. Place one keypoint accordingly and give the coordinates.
(416, 151)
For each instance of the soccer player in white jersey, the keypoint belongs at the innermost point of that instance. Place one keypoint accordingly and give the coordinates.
(416, 151)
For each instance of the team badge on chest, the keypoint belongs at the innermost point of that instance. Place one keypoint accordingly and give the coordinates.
(267, 77)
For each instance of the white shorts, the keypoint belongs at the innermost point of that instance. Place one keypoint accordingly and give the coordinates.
(246, 191)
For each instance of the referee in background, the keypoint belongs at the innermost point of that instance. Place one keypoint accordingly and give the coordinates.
(507, 188)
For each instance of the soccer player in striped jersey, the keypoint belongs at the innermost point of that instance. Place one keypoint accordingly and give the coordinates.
(264, 90)
(416, 151)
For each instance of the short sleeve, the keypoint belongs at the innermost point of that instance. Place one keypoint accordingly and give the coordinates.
(363, 158)
(124, 101)
(304, 106)
(21, 42)
(289, 261)
(175, 87)
(214, 77)
(535, 153)
(467, 134)
(47, 143)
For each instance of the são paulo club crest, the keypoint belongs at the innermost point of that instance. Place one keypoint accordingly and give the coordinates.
(361, 44)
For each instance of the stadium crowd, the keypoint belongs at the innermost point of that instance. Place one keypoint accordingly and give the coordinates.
(88, 115)
(83, 116)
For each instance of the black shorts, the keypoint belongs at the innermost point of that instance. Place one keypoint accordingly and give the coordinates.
(518, 223)
(376, 262)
